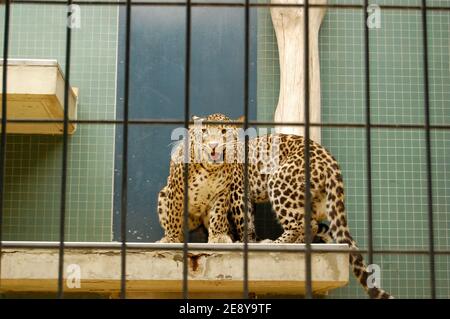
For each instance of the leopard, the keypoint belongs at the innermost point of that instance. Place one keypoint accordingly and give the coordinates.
(203, 206)
(274, 167)
(209, 202)
(196, 221)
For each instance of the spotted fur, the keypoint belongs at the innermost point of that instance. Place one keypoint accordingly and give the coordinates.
(216, 187)
(209, 195)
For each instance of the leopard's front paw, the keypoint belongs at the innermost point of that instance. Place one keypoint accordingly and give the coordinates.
(266, 241)
(300, 240)
(220, 239)
(169, 240)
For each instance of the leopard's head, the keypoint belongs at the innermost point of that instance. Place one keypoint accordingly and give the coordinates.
(213, 144)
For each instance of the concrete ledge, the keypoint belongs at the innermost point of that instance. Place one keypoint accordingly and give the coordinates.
(158, 273)
(36, 92)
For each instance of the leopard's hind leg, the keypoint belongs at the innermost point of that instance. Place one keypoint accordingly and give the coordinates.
(324, 234)
(319, 233)
(287, 201)
(286, 189)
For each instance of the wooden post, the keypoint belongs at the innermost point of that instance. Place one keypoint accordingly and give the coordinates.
(289, 29)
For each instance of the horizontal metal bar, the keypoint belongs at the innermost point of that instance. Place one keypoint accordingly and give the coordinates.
(226, 4)
(253, 247)
(170, 246)
(254, 123)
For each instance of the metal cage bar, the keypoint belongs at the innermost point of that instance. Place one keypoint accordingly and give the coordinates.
(187, 89)
(62, 218)
(368, 134)
(229, 4)
(4, 122)
(245, 247)
(308, 202)
(208, 247)
(308, 235)
(246, 146)
(124, 181)
(255, 123)
(428, 149)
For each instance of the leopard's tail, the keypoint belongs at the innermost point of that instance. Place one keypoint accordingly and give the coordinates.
(340, 232)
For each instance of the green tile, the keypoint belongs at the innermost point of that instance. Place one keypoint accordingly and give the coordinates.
(33, 166)
(398, 156)
(32, 190)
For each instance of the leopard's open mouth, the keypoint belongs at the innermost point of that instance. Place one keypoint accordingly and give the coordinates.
(215, 156)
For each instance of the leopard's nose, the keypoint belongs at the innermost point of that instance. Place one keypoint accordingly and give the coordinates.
(213, 145)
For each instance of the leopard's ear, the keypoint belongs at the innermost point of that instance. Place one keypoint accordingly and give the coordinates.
(241, 119)
(196, 118)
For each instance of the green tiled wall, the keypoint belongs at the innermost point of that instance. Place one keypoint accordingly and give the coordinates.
(33, 167)
(399, 168)
(398, 156)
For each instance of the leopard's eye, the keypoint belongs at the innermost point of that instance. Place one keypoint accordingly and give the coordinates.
(224, 131)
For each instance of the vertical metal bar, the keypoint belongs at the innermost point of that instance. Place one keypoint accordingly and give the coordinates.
(308, 235)
(4, 121)
(187, 87)
(246, 183)
(368, 135)
(62, 220)
(428, 150)
(124, 199)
